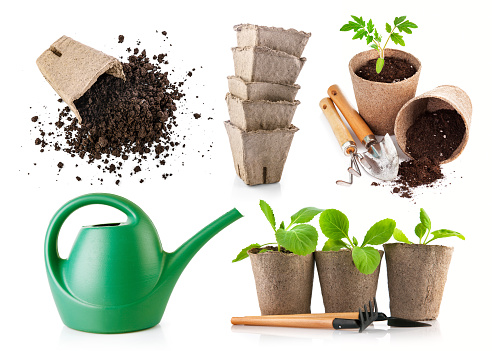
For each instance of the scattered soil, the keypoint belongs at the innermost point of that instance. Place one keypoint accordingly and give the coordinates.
(394, 70)
(416, 173)
(431, 139)
(131, 119)
(435, 135)
(271, 248)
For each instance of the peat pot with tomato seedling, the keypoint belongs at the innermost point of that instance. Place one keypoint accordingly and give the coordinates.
(417, 272)
(349, 272)
(383, 79)
(284, 273)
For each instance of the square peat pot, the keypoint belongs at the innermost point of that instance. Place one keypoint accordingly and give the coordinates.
(259, 156)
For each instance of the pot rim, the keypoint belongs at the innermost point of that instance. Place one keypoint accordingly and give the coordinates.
(418, 245)
(277, 253)
(415, 76)
(343, 250)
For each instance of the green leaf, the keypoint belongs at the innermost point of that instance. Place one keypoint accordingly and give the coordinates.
(359, 20)
(370, 26)
(397, 39)
(445, 233)
(379, 65)
(334, 245)
(267, 210)
(375, 47)
(334, 224)
(304, 215)
(399, 20)
(425, 219)
(350, 26)
(301, 240)
(388, 27)
(405, 29)
(354, 240)
(380, 232)
(377, 37)
(244, 252)
(366, 259)
(282, 225)
(399, 236)
(360, 34)
(369, 39)
(420, 230)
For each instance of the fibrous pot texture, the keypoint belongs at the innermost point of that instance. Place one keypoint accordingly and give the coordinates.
(262, 64)
(416, 278)
(252, 115)
(284, 282)
(72, 68)
(259, 156)
(343, 287)
(443, 97)
(379, 103)
(261, 90)
(290, 41)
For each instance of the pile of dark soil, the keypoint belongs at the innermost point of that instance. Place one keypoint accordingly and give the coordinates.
(122, 119)
(432, 138)
(435, 135)
(394, 70)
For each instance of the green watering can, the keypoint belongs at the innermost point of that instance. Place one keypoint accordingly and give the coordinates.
(117, 278)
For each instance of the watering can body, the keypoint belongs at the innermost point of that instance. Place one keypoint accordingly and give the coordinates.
(117, 278)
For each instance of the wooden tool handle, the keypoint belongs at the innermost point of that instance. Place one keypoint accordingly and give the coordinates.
(356, 122)
(294, 322)
(345, 315)
(341, 132)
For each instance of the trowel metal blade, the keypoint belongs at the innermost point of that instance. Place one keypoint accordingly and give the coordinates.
(405, 323)
(381, 159)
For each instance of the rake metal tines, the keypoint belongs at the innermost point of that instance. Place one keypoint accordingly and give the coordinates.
(353, 170)
(367, 317)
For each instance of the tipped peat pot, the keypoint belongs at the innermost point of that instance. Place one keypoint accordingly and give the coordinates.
(446, 97)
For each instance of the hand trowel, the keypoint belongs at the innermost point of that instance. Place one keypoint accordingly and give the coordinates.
(381, 159)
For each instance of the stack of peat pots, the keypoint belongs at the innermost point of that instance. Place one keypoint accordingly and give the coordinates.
(261, 100)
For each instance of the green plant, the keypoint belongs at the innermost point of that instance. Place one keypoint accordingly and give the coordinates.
(299, 238)
(424, 229)
(335, 225)
(373, 38)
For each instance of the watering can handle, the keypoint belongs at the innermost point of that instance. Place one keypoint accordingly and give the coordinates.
(52, 257)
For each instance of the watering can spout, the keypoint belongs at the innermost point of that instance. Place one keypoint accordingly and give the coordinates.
(179, 259)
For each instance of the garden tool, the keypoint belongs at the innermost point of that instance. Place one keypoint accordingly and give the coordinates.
(117, 278)
(381, 159)
(344, 138)
(361, 321)
(392, 321)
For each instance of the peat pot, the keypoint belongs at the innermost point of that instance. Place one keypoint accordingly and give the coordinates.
(259, 156)
(284, 282)
(343, 287)
(250, 115)
(446, 97)
(261, 90)
(416, 278)
(290, 41)
(379, 103)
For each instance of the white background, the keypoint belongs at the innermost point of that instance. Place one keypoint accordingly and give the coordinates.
(451, 43)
